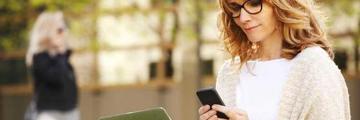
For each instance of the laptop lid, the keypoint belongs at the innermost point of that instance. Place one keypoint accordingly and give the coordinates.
(148, 114)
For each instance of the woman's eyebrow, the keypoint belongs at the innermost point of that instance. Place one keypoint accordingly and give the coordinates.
(236, 2)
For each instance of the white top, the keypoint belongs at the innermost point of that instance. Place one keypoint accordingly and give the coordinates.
(259, 92)
(315, 89)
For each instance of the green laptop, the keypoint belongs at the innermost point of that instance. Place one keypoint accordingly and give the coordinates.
(148, 114)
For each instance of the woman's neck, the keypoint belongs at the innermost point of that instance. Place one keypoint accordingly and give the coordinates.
(271, 47)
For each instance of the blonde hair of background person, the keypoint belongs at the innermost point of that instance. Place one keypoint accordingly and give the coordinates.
(48, 34)
(291, 29)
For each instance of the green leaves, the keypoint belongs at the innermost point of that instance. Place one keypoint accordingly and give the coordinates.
(65, 5)
(346, 6)
(16, 17)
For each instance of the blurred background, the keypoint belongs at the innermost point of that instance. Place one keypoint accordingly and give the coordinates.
(135, 54)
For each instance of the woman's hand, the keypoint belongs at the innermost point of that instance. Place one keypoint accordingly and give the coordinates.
(59, 45)
(232, 113)
(53, 46)
(207, 114)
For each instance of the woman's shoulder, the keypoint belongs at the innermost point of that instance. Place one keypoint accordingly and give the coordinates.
(229, 64)
(313, 53)
(41, 56)
(315, 59)
(308, 56)
(313, 56)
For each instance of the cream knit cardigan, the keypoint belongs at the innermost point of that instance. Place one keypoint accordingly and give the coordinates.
(315, 89)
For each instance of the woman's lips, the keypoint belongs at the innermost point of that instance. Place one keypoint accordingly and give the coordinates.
(251, 28)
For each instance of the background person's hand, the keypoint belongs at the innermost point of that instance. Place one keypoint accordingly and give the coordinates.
(232, 113)
(207, 114)
(59, 44)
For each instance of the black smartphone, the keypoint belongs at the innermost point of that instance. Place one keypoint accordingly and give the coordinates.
(209, 96)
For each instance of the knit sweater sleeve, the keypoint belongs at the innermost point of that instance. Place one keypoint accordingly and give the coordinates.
(329, 98)
(221, 82)
(226, 81)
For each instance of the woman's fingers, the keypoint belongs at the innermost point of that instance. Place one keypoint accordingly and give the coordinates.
(204, 109)
(232, 113)
(214, 117)
(208, 115)
(222, 109)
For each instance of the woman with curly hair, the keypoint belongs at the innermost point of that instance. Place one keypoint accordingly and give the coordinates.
(282, 64)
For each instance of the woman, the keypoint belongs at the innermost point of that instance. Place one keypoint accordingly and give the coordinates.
(281, 65)
(55, 90)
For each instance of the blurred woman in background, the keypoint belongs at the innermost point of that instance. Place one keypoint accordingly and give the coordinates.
(55, 90)
(281, 67)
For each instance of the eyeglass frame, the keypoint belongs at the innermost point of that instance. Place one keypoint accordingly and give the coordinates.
(242, 7)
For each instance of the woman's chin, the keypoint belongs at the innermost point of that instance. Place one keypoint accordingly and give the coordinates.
(254, 39)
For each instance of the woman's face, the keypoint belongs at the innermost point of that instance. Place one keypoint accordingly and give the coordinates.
(58, 37)
(258, 22)
(55, 39)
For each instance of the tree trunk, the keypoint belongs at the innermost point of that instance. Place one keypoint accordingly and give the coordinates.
(356, 54)
(191, 68)
(356, 38)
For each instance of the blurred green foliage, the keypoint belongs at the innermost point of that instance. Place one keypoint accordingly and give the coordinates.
(338, 6)
(73, 6)
(17, 16)
(13, 21)
(13, 71)
(16, 19)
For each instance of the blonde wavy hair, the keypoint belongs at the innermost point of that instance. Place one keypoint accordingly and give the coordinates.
(301, 23)
(44, 28)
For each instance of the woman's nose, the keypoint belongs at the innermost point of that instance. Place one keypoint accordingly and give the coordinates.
(244, 16)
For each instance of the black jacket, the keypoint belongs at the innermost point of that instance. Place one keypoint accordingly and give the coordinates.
(54, 80)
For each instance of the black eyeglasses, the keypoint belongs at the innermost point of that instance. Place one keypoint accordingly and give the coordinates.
(250, 6)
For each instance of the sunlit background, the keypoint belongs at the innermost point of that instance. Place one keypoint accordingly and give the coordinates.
(131, 55)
